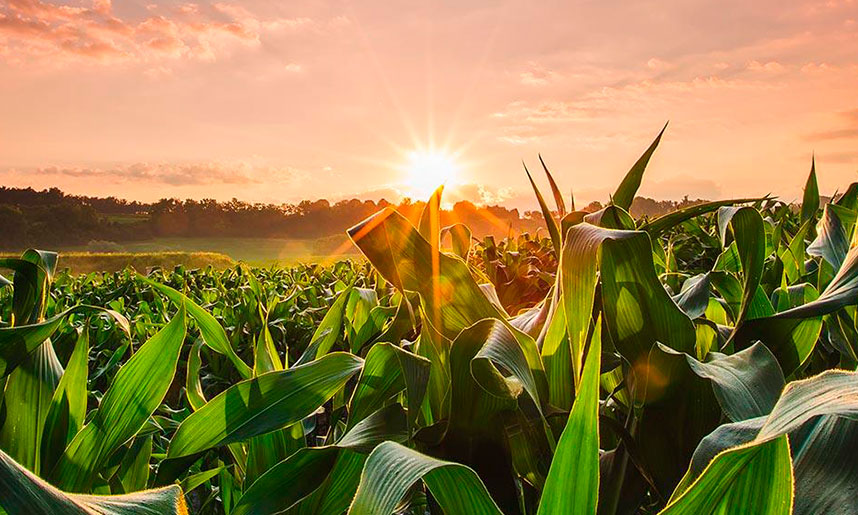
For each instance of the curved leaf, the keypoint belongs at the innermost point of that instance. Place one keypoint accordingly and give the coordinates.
(135, 393)
(262, 404)
(23, 492)
(391, 469)
(755, 478)
(577, 454)
(387, 371)
(302, 473)
(452, 300)
(211, 330)
(627, 189)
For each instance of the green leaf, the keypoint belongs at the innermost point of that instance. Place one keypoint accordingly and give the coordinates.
(27, 398)
(550, 222)
(611, 217)
(472, 406)
(436, 349)
(810, 202)
(68, 405)
(329, 329)
(265, 357)
(755, 478)
(627, 189)
(788, 334)
(749, 234)
(515, 353)
(302, 473)
(266, 450)
(200, 478)
(577, 454)
(134, 469)
(361, 325)
(23, 492)
(637, 309)
(17, 342)
(387, 371)
(693, 299)
(211, 330)
(392, 469)
(657, 226)
(747, 384)
(558, 195)
(818, 413)
(136, 391)
(557, 355)
(430, 218)
(832, 238)
(794, 255)
(824, 481)
(460, 237)
(262, 404)
(451, 298)
(193, 387)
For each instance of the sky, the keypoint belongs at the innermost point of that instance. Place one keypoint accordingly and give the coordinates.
(282, 101)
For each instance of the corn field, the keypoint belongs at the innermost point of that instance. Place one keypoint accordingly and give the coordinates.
(699, 362)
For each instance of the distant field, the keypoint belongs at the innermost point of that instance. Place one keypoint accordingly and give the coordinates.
(257, 251)
(86, 262)
(200, 252)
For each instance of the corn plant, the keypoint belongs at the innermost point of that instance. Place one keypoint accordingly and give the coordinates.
(699, 362)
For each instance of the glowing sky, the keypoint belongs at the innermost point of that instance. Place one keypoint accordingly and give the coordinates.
(278, 101)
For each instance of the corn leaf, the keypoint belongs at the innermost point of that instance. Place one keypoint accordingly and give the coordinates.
(577, 454)
(749, 234)
(262, 404)
(387, 371)
(451, 298)
(810, 202)
(135, 393)
(550, 221)
(670, 220)
(23, 492)
(460, 237)
(211, 330)
(747, 384)
(68, 405)
(392, 469)
(628, 188)
(756, 478)
(558, 195)
(302, 473)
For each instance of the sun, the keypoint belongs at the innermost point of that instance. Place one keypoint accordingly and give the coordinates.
(428, 169)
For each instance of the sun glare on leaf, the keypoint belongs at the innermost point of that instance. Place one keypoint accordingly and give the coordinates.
(426, 170)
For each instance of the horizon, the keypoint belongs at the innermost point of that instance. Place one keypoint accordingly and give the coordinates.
(279, 103)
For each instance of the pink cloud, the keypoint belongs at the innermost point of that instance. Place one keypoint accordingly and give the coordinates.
(35, 31)
(771, 66)
(187, 174)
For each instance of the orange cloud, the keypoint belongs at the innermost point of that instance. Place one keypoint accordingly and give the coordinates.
(33, 30)
(193, 174)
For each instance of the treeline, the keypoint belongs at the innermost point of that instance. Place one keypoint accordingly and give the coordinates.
(51, 218)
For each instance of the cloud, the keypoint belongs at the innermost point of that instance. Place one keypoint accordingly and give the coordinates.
(657, 64)
(33, 31)
(537, 75)
(835, 134)
(839, 157)
(771, 66)
(601, 101)
(192, 174)
(818, 68)
(845, 131)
